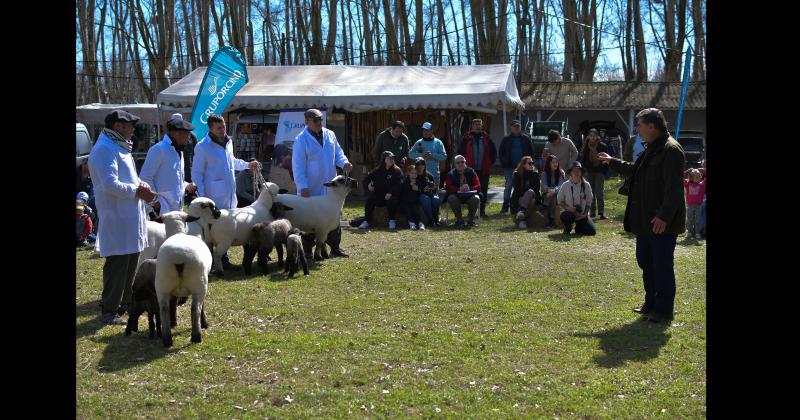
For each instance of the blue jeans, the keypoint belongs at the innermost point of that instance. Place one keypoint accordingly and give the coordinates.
(584, 226)
(430, 205)
(509, 174)
(655, 255)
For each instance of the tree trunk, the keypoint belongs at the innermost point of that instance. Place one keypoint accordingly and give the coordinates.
(466, 31)
(698, 64)
(640, 49)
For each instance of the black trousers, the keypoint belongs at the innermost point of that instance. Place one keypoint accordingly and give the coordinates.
(655, 255)
(484, 190)
(584, 226)
(373, 201)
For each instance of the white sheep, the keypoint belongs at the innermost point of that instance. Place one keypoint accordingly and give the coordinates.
(225, 228)
(182, 269)
(156, 235)
(318, 214)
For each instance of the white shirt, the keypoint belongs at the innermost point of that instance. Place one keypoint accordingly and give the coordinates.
(123, 228)
(163, 171)
(313, 164)
(213, 172)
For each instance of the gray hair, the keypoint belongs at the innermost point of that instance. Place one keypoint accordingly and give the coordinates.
(459, 157)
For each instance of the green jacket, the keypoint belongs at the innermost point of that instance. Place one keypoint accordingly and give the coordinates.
(656, 188)
(385, 141)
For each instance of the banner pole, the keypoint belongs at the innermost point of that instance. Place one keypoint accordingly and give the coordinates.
(684, 88)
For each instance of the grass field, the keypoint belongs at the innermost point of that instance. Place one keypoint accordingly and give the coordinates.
(485, 323)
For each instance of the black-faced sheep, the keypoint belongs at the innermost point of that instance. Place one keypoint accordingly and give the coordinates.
(264, 237)
(295, 253)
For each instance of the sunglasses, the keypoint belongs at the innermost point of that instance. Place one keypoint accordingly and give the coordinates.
(529, 163)
(460, 163)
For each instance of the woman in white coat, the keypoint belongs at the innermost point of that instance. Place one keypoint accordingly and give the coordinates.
(214, 165)
(119, 196)
(163, 168)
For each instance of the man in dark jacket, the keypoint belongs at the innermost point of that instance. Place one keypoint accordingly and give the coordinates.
(480, 152)
(655, 211)
(512, 149)
(384, 187)
(462, 184)
(394, 140)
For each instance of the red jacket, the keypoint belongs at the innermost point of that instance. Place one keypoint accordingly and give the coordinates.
(453, 182)
(465, 149)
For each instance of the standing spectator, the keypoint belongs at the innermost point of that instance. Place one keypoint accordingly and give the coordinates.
(633, 148)
(213, 170)
(394, 140)
(120, 197)
(83, 226)
(655, 211)
(163, 167)
(563, 149)
(431, 149)
(384, 187)
(695, 191)
(526, 190)
(595, 169)
(463, 187)
(512, 148)
(702, 218)
(315, 155)
(413, 187)
(429, 199)
(480, 154)
(552, 179)
(574, 198)
(244, 188)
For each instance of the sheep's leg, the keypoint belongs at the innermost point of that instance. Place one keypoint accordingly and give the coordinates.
(163, 306)
(158, 322)
(203, 321)
(279, 248)
(320, 242)
(249, 255)
(303, 262)
(133, 319)
(219, 251)
(263, 259)
(197, 307)
(173, 311)
(151, 326)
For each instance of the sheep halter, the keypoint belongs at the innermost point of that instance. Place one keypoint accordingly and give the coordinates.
(258, 180)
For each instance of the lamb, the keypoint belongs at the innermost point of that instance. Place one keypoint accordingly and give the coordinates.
(294, 252)
(144, 300)
(182, 268)
(319, 214)
(264, 237)
(225, 228)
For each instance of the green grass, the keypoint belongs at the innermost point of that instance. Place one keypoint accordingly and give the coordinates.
(490, 322)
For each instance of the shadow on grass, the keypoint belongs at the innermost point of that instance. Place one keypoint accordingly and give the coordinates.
(276, 273)
(124, 352)
(91, 326)
(639, 340)
(559, 237)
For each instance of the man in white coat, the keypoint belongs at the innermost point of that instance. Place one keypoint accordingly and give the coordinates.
(163, 167)
(213, 169)
(315, 155)
(120, 197)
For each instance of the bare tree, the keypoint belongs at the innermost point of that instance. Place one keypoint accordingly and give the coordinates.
(698, 71)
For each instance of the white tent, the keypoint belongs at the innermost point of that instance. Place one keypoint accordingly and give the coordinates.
(362, 88)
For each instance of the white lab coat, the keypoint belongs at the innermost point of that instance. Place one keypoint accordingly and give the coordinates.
(123, 228)
(163, 171)
(213, 172)
(313, 164)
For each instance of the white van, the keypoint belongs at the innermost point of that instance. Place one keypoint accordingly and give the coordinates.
(83, 144)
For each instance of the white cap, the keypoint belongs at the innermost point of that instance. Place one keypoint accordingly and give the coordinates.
(427, 126)
(176, 116)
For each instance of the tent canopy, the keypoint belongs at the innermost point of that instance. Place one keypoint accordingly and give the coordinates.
(361, 88)
(96, 113)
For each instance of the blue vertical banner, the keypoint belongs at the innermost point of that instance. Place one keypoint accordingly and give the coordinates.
(687, 66)
(225, 75)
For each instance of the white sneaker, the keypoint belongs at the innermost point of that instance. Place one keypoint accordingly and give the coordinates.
(363, 225)
(411, 226)
(523, 225)
(421, 226)
(392, 225)
(520, 215)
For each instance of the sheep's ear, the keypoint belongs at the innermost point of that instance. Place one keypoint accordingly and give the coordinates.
(191, 219)
(329, 184)
(285, 207)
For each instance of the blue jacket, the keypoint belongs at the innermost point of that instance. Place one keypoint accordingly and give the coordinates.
(436, 147)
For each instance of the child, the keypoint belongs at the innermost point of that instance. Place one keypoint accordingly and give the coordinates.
(412, 188)
(83, 226)
(695, 190)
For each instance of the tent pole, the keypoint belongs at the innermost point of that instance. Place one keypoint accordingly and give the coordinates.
(505, 125)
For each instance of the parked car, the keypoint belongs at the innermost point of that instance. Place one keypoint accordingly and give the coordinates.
(694, 147)
(83, 144)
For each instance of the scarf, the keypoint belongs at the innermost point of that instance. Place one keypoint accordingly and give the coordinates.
(222, 142)
(178, 149)
(117, 138)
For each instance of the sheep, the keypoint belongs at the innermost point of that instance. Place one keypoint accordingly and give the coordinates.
(264, 237)
(182, 268)
(144, 300)
(225, 228)
(156, 235)
(294, 252)
(319, 214)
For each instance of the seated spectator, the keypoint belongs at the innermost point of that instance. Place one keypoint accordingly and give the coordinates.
(83, 226)
(413, 187)
(384, 187)
(429, 199)
(552, 178)
(244, 188)
(463, 187)
(83, 200)
(575, 197)
(525, 193)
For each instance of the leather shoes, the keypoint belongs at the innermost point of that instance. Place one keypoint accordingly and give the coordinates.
(644, 310)
(338, 253)
(660, 317)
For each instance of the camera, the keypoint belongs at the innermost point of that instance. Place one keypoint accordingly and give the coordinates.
(579, 209)
(419, 148)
